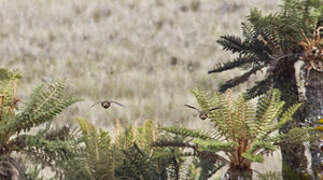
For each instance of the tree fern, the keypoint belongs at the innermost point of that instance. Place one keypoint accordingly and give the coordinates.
(273, 43)
(45, 103)
(245, 131)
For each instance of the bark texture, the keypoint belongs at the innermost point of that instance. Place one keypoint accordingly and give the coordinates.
(294, 160)
(314, 108)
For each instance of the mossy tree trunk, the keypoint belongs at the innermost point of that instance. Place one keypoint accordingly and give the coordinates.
(314, 109)
(294, 163)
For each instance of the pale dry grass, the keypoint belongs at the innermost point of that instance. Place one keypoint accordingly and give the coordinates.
(147, 54)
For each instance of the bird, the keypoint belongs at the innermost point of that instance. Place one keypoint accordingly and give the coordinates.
(107, 103)
(202, 114)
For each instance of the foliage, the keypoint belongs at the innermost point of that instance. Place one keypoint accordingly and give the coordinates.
(272, 44)
(126, 156)
(244, 132)
(270, 175)
(46, 101)
(270, 41)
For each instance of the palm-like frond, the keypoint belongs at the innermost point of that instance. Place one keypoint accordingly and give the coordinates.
(244, 129)
(237, 62)
(188, 133)
(45, 103)
(239, 79)
(49, 146)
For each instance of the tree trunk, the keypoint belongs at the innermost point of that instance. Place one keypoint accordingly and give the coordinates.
(314, 109)
(237, 173)
(294, 165)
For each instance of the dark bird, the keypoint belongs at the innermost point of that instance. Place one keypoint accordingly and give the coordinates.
(202, 114)
(107, 103)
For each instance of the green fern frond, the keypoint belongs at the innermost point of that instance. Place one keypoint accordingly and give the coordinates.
(145, 135)
(202, 97)
(48, 152)
(214, 145)
(140, 165)
(172, 143)
(295, 136)
(254, 158)
(287, 116)
(87, 128)
(6, 75)
(45, 103)
(268, 109)
(252, 152)
(188, 133)
(169, 153)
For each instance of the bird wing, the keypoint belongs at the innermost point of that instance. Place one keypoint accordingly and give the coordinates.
(115, 102)
(192, 107)
(95, 104)
(212, 109)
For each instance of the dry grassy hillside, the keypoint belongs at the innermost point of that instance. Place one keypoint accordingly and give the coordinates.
(147, 54)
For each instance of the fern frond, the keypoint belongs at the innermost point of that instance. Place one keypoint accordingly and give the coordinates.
(238, 62)
(188, 133)
(260, 88)
(268, 109)
(138, 165)
(233, 44)
(45, 103)
(287, 116)
(252, 152)
(208, 168)
(203, 98)
(87, 127)
(45, 151)
(171, 143)
(214, 145)
(239, 79)
(296, 136)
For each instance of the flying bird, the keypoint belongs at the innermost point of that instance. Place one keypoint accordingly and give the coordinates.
(202, 114)
(107, 103)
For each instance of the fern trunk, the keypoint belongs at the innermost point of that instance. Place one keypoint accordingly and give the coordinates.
(314, 107)
(294, 161)
(238, 173)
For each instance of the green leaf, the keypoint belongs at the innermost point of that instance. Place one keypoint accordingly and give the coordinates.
(214, 145)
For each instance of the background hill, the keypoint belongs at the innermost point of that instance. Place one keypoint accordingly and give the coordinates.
(145, 54)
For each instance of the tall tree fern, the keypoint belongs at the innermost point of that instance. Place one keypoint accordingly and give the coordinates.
(274, 43)
(243, 131)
